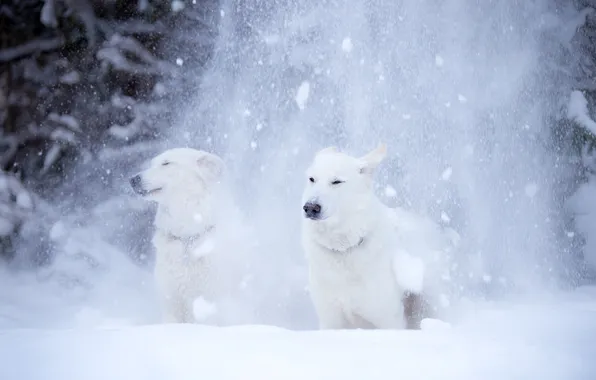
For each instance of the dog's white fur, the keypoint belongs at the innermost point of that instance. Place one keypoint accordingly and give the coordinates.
(354, 246)
(184, 183)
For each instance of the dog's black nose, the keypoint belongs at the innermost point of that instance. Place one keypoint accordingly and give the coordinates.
(312, 210)
(135, 183)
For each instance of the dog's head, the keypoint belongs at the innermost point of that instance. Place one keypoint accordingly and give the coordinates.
(339, 187)
(177, 174)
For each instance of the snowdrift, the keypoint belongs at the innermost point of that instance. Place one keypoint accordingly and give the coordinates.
(550, 339)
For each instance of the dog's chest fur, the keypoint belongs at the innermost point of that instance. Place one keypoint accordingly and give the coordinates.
(180, 265)
(360, 281)
(369, 262)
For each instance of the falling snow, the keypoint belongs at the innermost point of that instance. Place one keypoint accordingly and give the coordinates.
(390, 192)
(346, 45)
(444, 217)
(177, 6)
(205, 248)
(446, 175)
(302, 94)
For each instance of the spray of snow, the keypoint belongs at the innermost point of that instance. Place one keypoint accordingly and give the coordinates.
(409, 272)
(203, 309)
(444, 301)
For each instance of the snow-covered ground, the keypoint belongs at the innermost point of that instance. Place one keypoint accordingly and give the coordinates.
(547, 339)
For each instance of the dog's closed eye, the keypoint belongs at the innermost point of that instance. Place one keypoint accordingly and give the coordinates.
(165, 163)
(337, 182)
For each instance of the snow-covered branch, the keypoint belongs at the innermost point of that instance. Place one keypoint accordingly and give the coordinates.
(30, 47)
(577, 110)
(118, 49)
(15, 204)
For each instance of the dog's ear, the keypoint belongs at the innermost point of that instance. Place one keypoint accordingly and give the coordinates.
(330, 149)
(372, 159)
(212, 164)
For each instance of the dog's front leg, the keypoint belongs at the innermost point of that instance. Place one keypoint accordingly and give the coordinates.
(331, 317)
(415, 309)
(174, 310)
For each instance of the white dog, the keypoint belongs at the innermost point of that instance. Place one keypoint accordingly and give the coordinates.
(185, 184)
(361, 270)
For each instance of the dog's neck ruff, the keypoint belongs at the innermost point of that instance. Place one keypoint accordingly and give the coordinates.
(347, 249)
(188, 241)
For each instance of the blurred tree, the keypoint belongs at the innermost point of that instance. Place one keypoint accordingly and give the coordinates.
(87, 80)
(574, 140)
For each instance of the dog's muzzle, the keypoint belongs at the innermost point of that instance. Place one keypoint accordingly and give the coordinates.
(312, 210)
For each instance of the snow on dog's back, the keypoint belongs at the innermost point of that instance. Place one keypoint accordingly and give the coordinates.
(425, 255)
